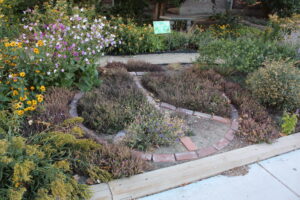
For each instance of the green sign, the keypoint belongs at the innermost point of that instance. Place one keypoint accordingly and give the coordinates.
(162, 27)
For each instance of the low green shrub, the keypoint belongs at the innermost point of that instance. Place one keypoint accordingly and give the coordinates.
(109, 108)
(277, 85)
(189, 89)
(151, 129)
(228, 56)
(289, 123)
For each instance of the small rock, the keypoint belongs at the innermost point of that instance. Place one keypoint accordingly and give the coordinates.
(119, 137)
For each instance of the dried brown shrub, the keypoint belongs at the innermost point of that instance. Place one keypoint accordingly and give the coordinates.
(255, 123)
(55, 110)
(119, 160)
(190, 89)
(135, 66)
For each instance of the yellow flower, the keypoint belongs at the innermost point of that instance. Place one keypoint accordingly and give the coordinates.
(17, 105)
(43, 88)
(36, 50)
(40, 43)
(13, 44)
(32, 108)
(40, 99)
(15, 93)
(22, 74)
(20, 44)
(20, 112)
(32, 88)
(23, 98)
(37, 71)
(29, 102)
(7, 44)
(27, 109)
(34, 102)
(1, 1)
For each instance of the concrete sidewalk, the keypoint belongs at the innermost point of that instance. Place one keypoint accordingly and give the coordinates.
(277, 178)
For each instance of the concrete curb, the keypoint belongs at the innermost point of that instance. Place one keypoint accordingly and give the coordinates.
(163, 58)
(175, 176)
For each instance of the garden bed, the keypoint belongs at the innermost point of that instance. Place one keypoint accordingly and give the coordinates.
(205, 134)
(207, 131)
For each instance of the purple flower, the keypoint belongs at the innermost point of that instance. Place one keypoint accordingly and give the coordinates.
(62, 27)
(75, 53)
(58, 47)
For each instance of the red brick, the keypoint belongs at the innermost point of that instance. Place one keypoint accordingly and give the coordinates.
(185, 111)
(186, 156)
(202, 115)
(221, 144)
(221, 119)
(235, 125)
(163, 158)
(167, 106)
(229, 135)
(188, 143)
(206, 151)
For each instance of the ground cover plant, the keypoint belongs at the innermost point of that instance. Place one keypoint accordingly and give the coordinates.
(242, 55)
(114, 104)
(119, 105)
(189, 89)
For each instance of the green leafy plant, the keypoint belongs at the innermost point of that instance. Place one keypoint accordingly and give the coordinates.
(228, 56)
(289, 122)
(151, 129)
(277, 85)
(109, 108)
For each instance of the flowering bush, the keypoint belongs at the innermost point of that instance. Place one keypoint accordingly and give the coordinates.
(61, 53)
(21, 80)
(72, 46)
(134, 39)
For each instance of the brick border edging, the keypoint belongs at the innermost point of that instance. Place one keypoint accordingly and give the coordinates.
(193, 152)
